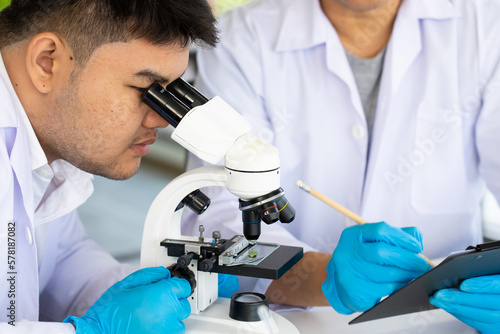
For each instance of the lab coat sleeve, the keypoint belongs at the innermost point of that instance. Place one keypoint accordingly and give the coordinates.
(488, 139)
(34, 327)
(487, 130)
(81, 273)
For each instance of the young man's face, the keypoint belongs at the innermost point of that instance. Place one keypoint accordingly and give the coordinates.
(98, 122)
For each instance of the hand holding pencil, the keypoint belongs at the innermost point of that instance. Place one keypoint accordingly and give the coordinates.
(371, 261)
(343, 210)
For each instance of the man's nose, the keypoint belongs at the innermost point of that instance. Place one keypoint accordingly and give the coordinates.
(153, 120)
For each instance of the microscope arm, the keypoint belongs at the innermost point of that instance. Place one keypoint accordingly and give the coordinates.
(162, 219)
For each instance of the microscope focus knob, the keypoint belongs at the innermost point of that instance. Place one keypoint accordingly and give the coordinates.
(197, 201)
(207, 264)
(185, 273)
(184, 260)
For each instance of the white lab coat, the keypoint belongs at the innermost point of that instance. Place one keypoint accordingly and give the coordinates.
(436, 134)
(56, 270)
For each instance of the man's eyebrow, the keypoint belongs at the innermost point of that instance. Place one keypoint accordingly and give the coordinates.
(151, 76)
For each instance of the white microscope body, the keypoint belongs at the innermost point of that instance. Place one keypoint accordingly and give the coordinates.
(212, 130)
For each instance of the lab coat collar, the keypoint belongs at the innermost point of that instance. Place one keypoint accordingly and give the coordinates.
(305, 26)
(38, 158)
(69, 188)
(432, 9)
(406, 35)
(45, 200)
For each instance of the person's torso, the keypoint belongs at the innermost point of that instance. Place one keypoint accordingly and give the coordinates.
(423, 168)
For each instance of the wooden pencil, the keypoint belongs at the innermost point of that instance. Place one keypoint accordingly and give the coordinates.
(342, 209)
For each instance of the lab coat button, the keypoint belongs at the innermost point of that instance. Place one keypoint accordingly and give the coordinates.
(358, 131)
(43, 173)
(29, 237)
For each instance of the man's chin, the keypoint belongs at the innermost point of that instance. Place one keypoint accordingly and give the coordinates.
(123, 175)
(119, 177)
(117, 172)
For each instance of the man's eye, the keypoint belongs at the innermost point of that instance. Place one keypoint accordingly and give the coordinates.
(140, 89)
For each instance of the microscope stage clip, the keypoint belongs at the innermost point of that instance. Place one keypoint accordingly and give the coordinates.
(263, 250)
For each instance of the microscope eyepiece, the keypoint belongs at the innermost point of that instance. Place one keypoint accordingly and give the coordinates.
(189, 95)
(173, 102)
(165, 104)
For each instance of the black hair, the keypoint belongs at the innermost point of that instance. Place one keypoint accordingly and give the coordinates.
(88, 24)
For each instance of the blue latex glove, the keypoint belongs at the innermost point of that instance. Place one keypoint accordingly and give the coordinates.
(228, 284)
(372, 261)
(146, 301)
(476, 303)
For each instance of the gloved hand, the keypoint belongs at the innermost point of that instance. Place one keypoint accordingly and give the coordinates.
(476, 303)
(146, 301)
(228, 284)
(372, 261)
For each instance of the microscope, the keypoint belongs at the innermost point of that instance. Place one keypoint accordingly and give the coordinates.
(213, 130)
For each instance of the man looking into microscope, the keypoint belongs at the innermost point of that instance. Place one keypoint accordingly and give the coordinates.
(71, 76)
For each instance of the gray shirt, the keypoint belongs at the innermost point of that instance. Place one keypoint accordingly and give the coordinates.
(367, 73)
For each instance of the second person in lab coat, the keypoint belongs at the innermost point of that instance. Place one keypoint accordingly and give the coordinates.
(390, 108)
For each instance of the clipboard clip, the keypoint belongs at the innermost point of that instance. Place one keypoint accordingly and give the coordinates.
(485, 247)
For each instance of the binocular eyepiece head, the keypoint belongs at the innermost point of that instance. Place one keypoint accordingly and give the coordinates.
(174, 101)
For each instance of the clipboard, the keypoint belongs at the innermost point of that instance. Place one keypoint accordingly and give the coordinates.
(481, 260)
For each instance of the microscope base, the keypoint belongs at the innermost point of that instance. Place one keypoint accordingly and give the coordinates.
(215, 319)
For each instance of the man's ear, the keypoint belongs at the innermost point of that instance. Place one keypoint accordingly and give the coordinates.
(49, 61)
